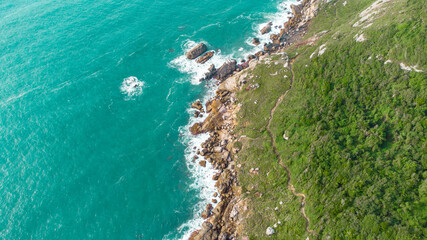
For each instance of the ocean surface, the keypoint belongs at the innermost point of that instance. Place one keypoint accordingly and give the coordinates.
(94, 113)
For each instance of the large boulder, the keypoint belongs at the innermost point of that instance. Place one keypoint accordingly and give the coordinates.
(223, 236)
(251, 56)
(267, 28)
(226, 69)
(196, 51)
(205, 57)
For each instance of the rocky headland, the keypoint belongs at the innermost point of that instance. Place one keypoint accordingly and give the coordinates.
(226, 219)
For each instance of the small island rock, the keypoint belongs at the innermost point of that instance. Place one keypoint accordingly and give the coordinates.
(196, 51)
(205, 57)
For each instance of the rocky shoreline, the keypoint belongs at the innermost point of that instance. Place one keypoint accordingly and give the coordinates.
(225, 221)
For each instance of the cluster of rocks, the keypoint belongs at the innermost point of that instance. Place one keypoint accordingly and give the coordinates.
(215, 108)
(227, 69)
(291, 30)
(197, 52)
(221, 220)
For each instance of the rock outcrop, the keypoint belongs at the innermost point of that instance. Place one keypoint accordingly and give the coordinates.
(225, 70)
(196, 51)
(211, 72)
(296, 9)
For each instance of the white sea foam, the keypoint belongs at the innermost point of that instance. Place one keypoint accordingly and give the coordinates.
(197, 70)
(202, 176)
(15, 97)
(131, 87)
(278, 19)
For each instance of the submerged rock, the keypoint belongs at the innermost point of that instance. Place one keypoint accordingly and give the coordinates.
(196, 51)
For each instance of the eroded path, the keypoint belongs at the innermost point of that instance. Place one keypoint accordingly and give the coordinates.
(290, 186)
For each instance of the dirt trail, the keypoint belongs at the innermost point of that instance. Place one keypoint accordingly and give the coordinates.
(290, 186)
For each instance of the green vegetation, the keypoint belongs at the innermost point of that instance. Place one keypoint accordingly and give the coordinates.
(356, 126)
(256, 152)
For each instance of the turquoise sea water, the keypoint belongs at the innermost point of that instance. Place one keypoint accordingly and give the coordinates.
(83, 155)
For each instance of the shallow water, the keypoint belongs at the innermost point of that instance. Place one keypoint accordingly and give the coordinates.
(94, 99)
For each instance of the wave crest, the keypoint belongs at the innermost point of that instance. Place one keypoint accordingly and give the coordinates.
(132, 87)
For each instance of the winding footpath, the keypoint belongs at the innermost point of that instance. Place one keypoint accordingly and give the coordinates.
(290, 186)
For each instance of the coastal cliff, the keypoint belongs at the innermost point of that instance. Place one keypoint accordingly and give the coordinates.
(289, 164)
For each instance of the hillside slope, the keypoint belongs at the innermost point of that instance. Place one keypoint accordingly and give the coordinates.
(351, 128)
